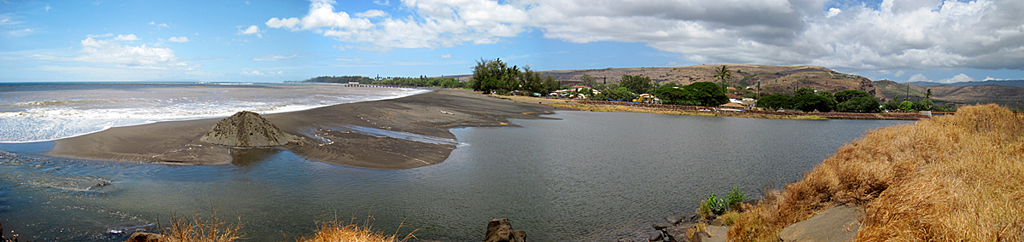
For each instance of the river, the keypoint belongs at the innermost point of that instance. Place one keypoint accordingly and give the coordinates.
(584, 177)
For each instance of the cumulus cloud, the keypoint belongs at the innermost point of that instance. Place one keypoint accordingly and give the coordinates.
(181, 39)
(446, 56)
(159, 26)
(111, 51)
(252, 29)
(892, 35)
(372, 13)
(130, 37)
(918, 78)
(437, 23)
(958, 78)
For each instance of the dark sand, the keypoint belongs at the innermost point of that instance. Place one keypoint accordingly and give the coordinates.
(429, 114)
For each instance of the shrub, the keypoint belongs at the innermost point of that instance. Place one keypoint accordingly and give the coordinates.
(735, 198)
(711, 206)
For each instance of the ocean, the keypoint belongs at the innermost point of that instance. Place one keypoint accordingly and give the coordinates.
(31, 112)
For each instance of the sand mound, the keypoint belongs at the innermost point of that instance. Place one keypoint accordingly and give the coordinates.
(247, 129)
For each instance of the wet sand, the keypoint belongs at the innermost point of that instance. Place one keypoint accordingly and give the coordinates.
(323, 132)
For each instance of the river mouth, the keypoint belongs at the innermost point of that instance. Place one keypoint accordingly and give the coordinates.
(585, 177)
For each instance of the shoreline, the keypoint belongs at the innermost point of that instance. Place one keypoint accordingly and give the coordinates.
(609, 106)
(426, 114)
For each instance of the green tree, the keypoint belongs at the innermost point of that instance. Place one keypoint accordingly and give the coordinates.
(636, 84)
(550, 85)
(621, 94)
(708, 94)
(811, 102)
(859, 105)
(907, 106)
(845, 95)
(491, 75)
(775, 102)
(588, 80)
(723, 74)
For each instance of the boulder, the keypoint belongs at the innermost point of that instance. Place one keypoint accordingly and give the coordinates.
(247, 129)
(500, 230)
(835, 224)
(144, 237)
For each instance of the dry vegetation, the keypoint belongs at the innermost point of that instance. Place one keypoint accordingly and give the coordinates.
(952, 178)
(196, 229)
(338, 231)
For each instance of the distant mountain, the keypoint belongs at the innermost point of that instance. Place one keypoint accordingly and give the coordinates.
(1007, 96)
(1009, 83)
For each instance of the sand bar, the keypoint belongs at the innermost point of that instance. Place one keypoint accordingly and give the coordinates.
(323, 130)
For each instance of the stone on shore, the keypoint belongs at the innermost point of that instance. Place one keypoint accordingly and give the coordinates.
(836, 224)
(500, 230)
(247, 129)
(144, 237)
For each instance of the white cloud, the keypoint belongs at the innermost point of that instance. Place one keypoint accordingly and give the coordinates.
(900, 73)
(371, 14)
(894, 35)
(21, 32)
(181, 39)
(159, 26)
(275, 57)
(252, 29)
(129, 37)
(258, 73)
(437, 24)
(918, 78)
(958, 78)
(446, 56)
(832, 12)
(382, 3)
(142, 56)
(48, 8)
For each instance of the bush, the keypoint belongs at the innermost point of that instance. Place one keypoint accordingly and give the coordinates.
(859, 105)
(711, 206)
(735, 198)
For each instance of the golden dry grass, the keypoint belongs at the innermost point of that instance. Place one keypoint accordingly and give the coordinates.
(196, 229)
(952, 178)
(336, 231)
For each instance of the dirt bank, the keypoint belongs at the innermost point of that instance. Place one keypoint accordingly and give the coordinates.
(334, 134)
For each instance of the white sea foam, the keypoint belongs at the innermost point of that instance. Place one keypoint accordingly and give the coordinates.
(45, 115)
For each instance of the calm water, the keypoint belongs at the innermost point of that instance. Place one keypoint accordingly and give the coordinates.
(589, 176)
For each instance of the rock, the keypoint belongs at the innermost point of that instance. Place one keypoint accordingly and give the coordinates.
(654, 236)
(717, 222)
(660, 226)
(247, 129)
(144, 237)
(624, 240)
(500, 230)
(675, 219)
(677, 233)
(835, 224)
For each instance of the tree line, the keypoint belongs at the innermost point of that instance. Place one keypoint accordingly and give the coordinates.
(491, 76)
(855, 101)
(422, 81)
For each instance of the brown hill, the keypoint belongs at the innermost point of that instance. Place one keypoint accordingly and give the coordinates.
(774, 79)
(1006, 96)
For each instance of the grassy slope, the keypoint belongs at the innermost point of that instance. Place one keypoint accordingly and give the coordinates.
(1003, 95)
(952, 178)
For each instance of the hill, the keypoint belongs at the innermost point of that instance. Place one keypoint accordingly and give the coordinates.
(773, 79)
(1009, 83)
(1007, 96)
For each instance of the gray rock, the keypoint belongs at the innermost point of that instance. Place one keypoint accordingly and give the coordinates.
(675, 219)
(654, 236)
(661, 226)
(833, 225)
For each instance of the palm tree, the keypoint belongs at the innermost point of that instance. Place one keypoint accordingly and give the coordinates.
(723, 74)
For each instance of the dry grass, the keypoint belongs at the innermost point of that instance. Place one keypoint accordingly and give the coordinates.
(196, 229)
(336, 231)
(952, 178)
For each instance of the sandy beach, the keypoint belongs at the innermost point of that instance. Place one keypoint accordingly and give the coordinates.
(323, 132)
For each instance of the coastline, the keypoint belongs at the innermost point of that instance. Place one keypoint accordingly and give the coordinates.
(323, 132)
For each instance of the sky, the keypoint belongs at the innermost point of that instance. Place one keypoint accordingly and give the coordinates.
(273, 41)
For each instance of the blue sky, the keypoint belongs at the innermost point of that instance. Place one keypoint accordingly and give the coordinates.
(272, 41)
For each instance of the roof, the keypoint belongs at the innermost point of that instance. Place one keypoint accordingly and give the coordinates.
(731, 105)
